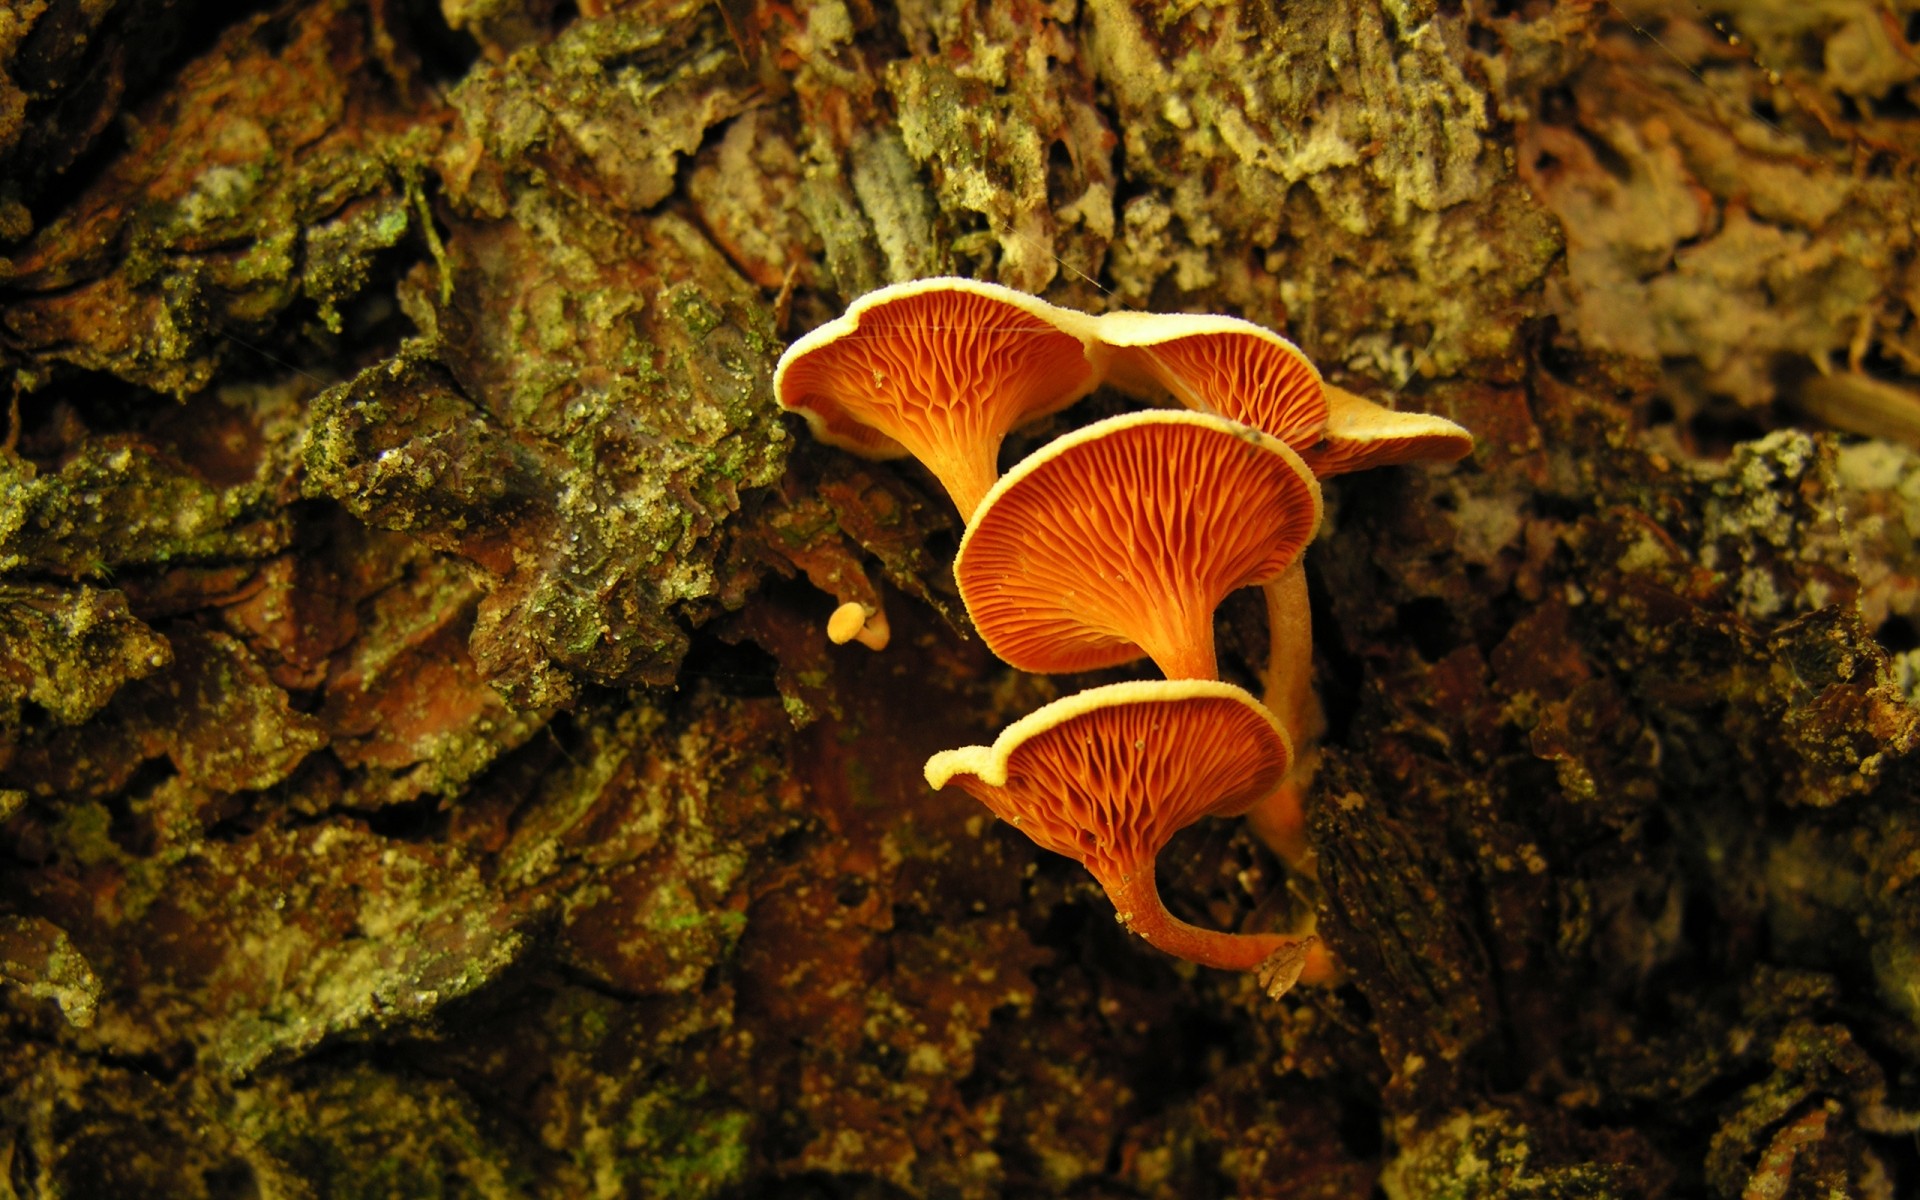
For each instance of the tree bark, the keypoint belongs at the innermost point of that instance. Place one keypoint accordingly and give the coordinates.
(423, 769)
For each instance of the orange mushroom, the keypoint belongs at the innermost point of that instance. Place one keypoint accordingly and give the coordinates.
(940, 369)
(1109, 775)
(1121, 538)
(1217, 364)
(857, 622)
(1361, 434)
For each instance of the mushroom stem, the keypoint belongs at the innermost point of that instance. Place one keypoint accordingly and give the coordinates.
(1136, 900)
(1279, 819)
(874, 632)
(1289, 678)
(968, 476)
(1181, 644)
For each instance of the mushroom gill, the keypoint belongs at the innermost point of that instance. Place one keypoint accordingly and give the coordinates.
(940, 369)
(1121, 538)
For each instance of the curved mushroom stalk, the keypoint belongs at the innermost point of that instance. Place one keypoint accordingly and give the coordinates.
(1280, 959)
(1137, 904)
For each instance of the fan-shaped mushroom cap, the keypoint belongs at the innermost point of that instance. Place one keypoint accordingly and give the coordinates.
(940, 369)
(1108, 775)
(1361, 434)
(1220, 365)
(1121, 538)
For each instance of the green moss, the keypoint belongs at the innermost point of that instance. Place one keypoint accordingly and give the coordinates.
(70, 651)
(197, 230)
(110, 506)
(676, 1146)
(84, 831)
(340, 252)
(1487, 1154)
(698, 315)
(860, 785)
(362, 1134)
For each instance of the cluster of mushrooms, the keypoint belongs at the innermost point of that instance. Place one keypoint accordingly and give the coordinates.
(1114, 542)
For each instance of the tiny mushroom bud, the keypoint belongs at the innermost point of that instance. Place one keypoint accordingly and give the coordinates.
(1121, 538)
(940, 369)
(854, 621)
(1220, 365)
(1361, 434)
(1108, 775)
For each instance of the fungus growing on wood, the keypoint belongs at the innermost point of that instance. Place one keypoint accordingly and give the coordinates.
(940, 369)
(1109, 775)
(1217, 364)
(1361, 434)
(857, 622)
(1121, 538)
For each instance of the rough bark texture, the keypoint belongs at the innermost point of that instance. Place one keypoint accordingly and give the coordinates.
(423, 771)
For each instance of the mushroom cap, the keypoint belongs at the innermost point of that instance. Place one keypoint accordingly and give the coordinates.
(1361, 434)
(1107, 775)
(940, 369)
(846, 622)
(1121, 538)
(1220, 365)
